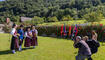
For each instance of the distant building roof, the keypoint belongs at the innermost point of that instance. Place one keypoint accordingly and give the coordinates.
(25, 19)
(2, 25)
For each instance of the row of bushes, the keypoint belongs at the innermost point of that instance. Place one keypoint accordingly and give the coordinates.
(82, 30)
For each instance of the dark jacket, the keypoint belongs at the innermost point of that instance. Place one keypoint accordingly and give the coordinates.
(93, 44)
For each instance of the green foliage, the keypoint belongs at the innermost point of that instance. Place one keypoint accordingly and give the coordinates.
(49, 8)
(52, 19)
(2, 19)
(37, 20)
(93, 17)
(67, 18)
(15, 18)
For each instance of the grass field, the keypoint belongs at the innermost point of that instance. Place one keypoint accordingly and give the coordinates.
(70, 22)
(48, 49)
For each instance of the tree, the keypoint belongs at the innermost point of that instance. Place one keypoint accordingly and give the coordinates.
(93, 16)
(49, 8)
(15, 18)
(37, 20)
(67, 18)
(52, 19)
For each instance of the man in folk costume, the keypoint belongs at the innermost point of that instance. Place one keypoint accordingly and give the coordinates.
(34, 41)
(21, 37)
(14, 42)
(28, 35)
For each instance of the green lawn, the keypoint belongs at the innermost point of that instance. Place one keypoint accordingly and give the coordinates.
(70, 22)
(48, 49)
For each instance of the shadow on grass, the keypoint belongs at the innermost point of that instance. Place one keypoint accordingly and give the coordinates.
(27, 48)
(5, 52)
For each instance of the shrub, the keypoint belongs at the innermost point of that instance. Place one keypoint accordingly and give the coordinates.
(93, 17)
(37, 20)
(52, 19)
(67, 18)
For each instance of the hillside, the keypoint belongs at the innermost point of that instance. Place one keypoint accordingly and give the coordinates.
(49, 8)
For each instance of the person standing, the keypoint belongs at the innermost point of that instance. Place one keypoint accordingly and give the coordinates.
(21, 37)
(84, 50)
(14, 41)
(93, 43)
(34, 41)
(28, 35)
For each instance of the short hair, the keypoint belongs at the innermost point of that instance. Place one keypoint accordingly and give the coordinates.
(86, 37)
(79, 37)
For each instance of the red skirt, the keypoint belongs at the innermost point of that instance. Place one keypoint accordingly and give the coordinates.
(27, 42)
(34, 41)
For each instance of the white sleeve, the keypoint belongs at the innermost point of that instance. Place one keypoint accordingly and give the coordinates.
(25, 34)
(36, 32)
(12, 32)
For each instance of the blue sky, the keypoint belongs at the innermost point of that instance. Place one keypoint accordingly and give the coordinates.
(1, 0)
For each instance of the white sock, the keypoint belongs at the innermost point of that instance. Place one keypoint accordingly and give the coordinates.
(20, 48)
(33, 46)
(13, 51)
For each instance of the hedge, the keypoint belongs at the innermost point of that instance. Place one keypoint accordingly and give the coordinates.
(82, 30)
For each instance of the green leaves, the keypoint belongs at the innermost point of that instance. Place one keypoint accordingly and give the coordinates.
(49, 8)
(93, 16)
(52, 19)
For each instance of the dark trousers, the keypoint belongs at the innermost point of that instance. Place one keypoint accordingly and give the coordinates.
(20, 42)
(90, 58)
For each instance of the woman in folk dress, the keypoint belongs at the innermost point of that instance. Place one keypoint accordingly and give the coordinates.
(34, 41)
(14, 41)
(28, 35)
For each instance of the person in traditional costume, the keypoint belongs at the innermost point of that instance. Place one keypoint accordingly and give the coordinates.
(28, 35)
(14, 41)
(34, 41)
(21, 37)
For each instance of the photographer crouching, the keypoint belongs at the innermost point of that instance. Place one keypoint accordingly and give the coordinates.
(84, 50)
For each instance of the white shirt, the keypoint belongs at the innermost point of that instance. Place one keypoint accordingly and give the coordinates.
(13, 31)
(26, 34)
(35, 32)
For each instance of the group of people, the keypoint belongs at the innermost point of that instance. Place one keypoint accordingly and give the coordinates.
(29, 35)
(86, 46)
